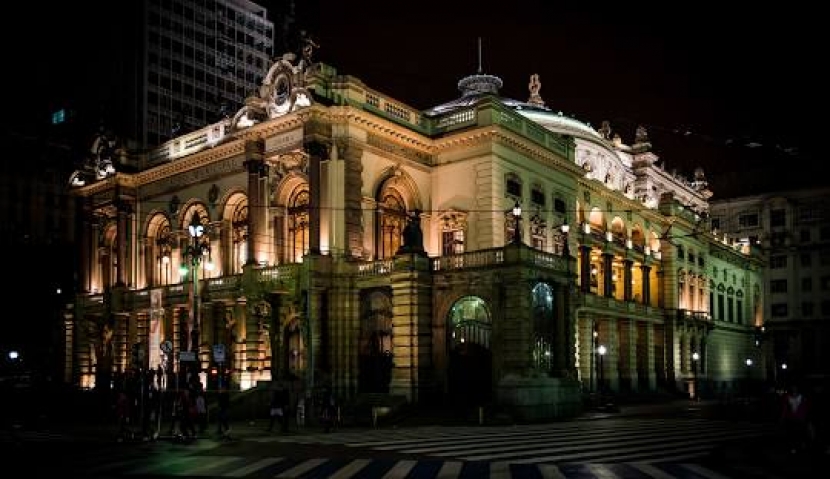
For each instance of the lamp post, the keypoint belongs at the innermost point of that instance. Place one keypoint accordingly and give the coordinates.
(517, 215)
(748, 375)
(195, 251)
(695, 359)
(601, 350)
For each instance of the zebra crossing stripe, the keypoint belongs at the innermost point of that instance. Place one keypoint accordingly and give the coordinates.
(300, 469)
(703, 471)
(400, 469)
(253, 467)
(207, 464)
(164, 467)
(500, 470)
(450, 469)
(350, 469)
(650, 470)
(550, 471)
(601, 471)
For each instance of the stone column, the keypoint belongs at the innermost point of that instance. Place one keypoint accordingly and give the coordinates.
(317, 152)
(585, 268)
(122, 241)
(412, 374)
(649, 353)
(607, 275)
(646, 284)
(627, 277)
(254, 163)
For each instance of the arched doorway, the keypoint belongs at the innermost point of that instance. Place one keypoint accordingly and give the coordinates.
(470, 372)
(375, 357)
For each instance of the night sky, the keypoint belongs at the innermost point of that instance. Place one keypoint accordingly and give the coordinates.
(735, 91)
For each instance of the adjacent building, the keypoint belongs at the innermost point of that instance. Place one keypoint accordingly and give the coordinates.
(483, 252)
(191, 63)
(791, 228)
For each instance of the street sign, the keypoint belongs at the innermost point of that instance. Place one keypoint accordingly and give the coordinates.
(187, 356)
(166, 346)
(219, 353)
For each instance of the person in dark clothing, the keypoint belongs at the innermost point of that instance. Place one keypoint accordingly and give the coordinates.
(279, 409)
(222, 418)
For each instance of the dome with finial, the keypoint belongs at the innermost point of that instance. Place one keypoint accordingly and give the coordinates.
(475, 87)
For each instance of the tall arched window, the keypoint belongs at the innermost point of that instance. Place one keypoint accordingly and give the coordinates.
(392, 212)
(298, 226)
(542, 303)
(163, 247)
(239, 235)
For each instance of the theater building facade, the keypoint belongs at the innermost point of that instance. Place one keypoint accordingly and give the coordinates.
(487, 251)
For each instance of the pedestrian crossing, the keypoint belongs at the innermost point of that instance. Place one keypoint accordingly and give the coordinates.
(609, 441)
(286, 468)
(623, 448)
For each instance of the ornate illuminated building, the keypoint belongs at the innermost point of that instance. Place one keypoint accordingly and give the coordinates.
(361, 244)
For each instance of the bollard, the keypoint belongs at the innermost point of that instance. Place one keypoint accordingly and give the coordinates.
(480, 415)
(374, 416)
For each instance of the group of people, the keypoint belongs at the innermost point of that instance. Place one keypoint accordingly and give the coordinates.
(279, 408)
(140, 408)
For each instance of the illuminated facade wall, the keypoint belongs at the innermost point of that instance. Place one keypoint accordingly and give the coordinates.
(364, 245)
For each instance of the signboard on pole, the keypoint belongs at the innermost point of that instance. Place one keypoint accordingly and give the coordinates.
(187, 356)
(219, 353)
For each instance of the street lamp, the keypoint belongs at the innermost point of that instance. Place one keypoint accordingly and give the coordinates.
(748, 375)
(695, 358)
(195, 251)
(517, 215)
(601, 350)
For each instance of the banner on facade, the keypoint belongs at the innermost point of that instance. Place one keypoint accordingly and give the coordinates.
(156, 320)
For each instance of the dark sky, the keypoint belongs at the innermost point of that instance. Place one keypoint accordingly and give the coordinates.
(736, 91)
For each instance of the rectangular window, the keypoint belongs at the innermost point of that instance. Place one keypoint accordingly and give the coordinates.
(537, 197)
(778, 262)
(748, 220)
(778, 218)
(559, 205)
(452, 242)
(779, 310)
(739, 310)
(778, 286)
(807, 309)
(806, 284)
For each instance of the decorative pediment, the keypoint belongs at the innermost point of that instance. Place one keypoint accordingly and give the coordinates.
(453, 220)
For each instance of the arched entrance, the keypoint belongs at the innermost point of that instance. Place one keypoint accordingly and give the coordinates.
(375, 357)
(471, 360)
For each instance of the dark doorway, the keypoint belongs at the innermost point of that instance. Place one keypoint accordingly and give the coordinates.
(470, 375)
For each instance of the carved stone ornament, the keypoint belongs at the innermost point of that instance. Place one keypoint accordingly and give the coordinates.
(173, 206)
(293, 162)
(213, 194)
(453, 220)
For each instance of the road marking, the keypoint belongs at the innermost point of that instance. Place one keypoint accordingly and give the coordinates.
(651, 470)
(450, 469)
(301, 468)
(351, 469)
(255, 466)
(705, 472)
(400, 470)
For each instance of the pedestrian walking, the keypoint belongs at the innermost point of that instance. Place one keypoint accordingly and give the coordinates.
(201, 412)
(795, 417)
(222, 418)
(328, 413)
(279, 409)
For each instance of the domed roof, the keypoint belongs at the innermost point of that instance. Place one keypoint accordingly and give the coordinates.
(475, 87)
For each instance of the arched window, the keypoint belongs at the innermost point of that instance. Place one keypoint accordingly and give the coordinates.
(298, 226)
(470, 322)
(163, 248)
(239, 236)
(542, 304)
(391, 221)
